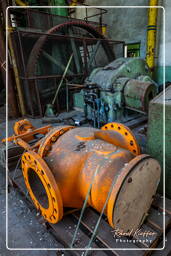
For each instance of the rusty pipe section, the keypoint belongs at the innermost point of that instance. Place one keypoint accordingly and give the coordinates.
(60, 173)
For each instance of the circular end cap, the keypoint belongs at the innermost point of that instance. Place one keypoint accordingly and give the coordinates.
(129, 138)
(133, 193)
(42, 187)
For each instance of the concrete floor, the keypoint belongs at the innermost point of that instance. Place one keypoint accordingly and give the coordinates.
(24, 230)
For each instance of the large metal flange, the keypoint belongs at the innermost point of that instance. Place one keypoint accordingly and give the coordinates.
(129, 138)
(42, 187)
(22, 127)
(51, 138)
(133, 193)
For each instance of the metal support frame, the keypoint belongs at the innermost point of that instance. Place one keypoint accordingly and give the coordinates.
(13, 108)
(82, 41)
(15, 68)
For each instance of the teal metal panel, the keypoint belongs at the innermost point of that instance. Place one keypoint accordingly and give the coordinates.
(155, 137)
(158, 74)
(78, 101)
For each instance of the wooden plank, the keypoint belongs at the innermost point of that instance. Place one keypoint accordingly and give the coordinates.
(155, 218)
(18, 182)
(158, 203)
(146, 236)
(64, 231)
(106, 234)
(167, 249)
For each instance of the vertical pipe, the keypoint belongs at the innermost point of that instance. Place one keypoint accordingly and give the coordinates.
(17, 80)
(13, 109)
(67, 97)
(85, 58)
(151, 34)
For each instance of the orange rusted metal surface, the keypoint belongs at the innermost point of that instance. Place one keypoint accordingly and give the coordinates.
(121, 136)
(23, 126)
(29, 134)
(22, 144)
(60, 172)
(51, 138)
(51, 205)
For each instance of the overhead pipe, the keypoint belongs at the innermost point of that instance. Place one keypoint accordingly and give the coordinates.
(20, 3)
(151, 33)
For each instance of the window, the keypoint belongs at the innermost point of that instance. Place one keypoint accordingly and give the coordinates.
(132, 50)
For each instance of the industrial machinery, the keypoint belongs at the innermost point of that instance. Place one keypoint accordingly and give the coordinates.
(44, 42)
(112, 92)
(70, 163)
(52, 51)
(159, 135)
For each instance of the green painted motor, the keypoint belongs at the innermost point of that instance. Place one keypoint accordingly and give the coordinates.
(58, 11)
(121, 86)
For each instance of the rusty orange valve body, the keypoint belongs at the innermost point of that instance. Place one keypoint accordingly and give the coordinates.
(60, 173)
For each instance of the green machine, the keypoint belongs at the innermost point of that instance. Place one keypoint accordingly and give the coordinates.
(112, 92)
(58, 11)
(155, 138)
